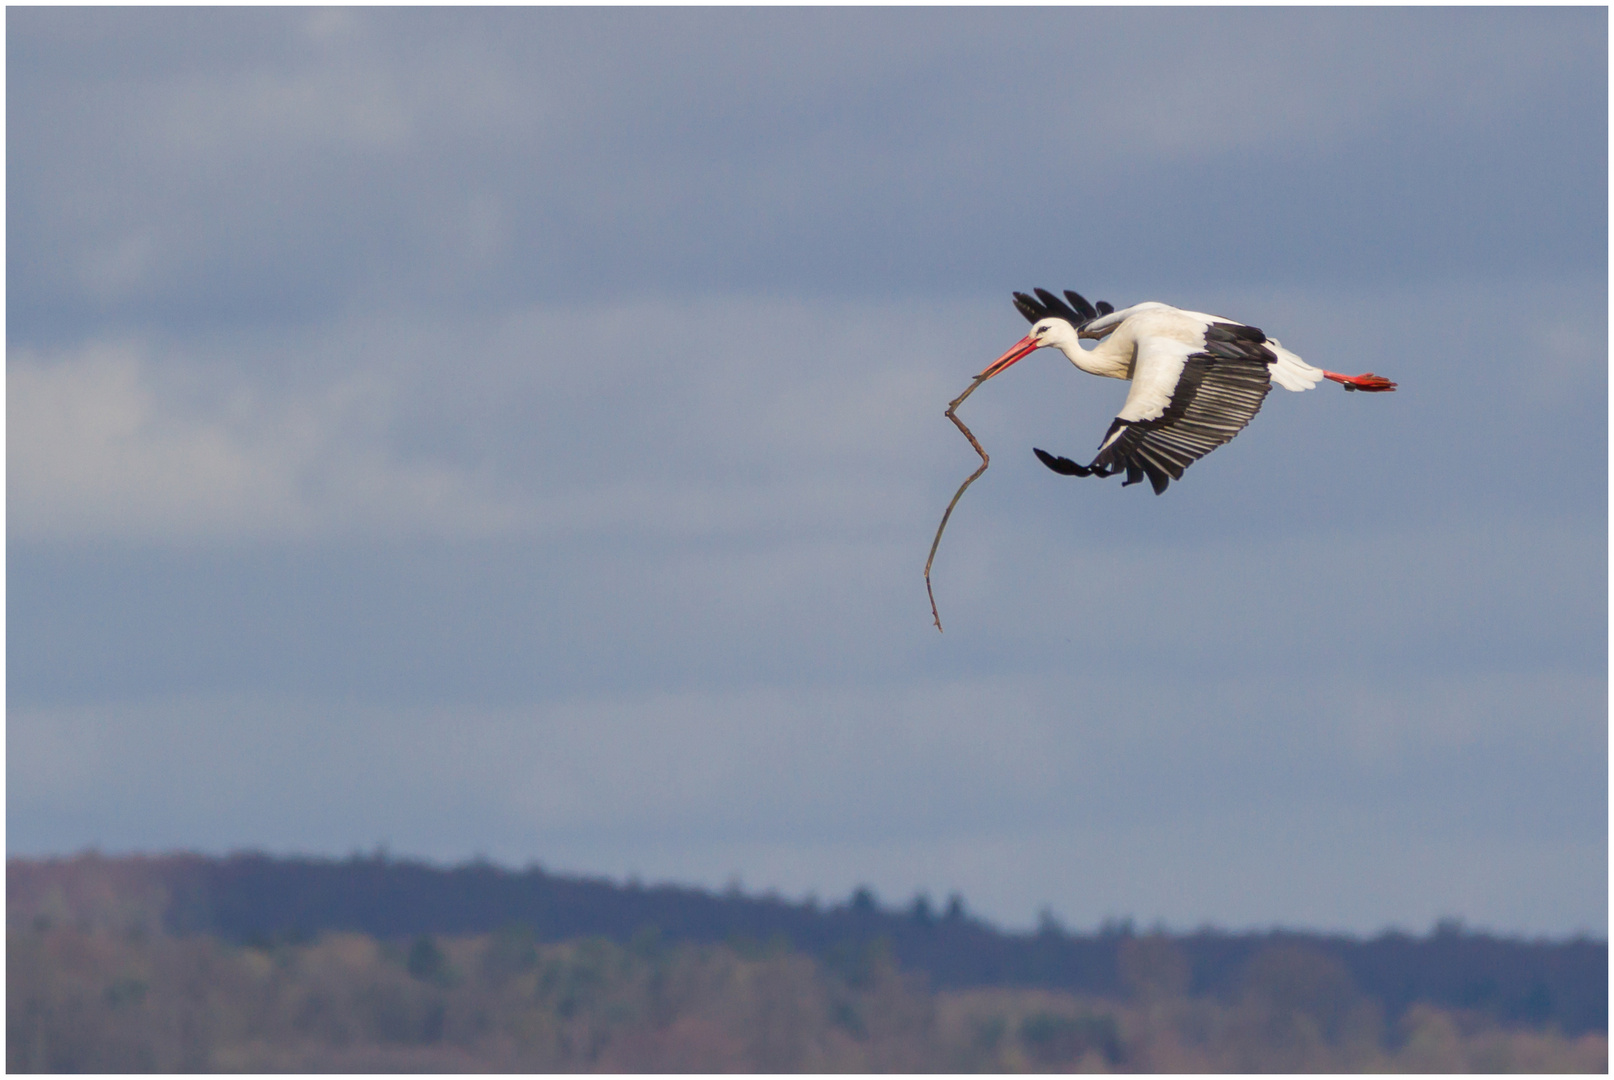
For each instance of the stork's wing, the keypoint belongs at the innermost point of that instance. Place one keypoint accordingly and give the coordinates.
(1078, 312)
(1186, 400)
(1108, 318)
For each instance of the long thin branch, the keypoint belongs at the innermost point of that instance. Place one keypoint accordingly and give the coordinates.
(985, 461)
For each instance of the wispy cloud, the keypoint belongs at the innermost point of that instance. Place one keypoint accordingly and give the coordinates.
(104, 444)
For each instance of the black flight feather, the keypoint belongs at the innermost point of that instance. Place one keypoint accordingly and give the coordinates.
(1061, 465)
(1058, 307)
(1083, 308)
(1045, 305)
(1029, 308)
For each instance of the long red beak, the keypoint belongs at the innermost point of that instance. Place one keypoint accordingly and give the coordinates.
(1024, 347)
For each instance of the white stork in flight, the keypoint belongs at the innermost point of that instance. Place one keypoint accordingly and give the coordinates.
(1196, 379)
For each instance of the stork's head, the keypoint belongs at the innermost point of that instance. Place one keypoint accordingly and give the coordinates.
(1052, 332)
(1054, 322)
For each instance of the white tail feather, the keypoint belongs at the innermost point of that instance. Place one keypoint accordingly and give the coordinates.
(1291, 372)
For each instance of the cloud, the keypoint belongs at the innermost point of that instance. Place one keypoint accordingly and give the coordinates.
(741, 419)
(521, 431)
(490, 159)
(697, 420)
(1015, 790)
(103, 444)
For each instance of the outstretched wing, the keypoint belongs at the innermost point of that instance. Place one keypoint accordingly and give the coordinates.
(1186, 400)
(1077, 311)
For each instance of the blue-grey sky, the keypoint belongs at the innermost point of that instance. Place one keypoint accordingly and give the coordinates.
(519, 433)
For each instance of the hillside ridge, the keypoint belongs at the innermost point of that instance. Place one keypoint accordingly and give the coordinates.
(253, 897)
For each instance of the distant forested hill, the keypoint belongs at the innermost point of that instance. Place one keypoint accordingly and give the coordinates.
(255, 898)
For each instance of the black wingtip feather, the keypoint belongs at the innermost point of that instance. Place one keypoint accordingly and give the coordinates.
(1027, 307)
(1087, 311)
(1061, 465)
(1045, 305)
(1058, 307)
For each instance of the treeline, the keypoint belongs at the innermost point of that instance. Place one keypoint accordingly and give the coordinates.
(96, 999)
(255, 899)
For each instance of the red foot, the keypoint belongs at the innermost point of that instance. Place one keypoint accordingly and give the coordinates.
(1370, 382)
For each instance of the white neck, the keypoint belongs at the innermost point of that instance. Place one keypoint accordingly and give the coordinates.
(1111, 357)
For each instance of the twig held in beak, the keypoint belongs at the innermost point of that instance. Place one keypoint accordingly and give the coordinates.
(985, 461)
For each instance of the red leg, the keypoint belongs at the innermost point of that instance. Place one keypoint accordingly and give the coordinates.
(1369, 382)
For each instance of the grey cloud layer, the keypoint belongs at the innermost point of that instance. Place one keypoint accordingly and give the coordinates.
(520, 432)
(1021, 788)
(326, 162)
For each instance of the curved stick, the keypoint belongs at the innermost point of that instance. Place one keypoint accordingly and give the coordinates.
(985, 461)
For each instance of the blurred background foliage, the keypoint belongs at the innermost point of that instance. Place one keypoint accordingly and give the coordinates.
(99, 980)
(97, 1000)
